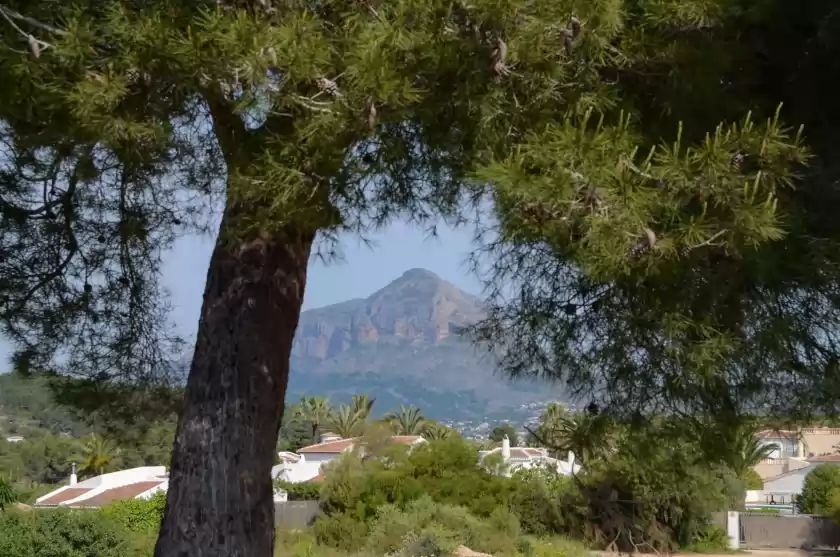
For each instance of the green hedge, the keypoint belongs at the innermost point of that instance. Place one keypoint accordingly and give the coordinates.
(62, 533)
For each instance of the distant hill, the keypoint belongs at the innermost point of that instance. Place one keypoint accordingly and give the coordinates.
(401, 346)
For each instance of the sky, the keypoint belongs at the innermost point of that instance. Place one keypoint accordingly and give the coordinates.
(362, 271)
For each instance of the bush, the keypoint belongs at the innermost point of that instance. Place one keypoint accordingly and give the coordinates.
(711, 539)
(544, 501)
(437, 529)
(446, 470)
(341, 531)
(61, 533)
(304, 491)
(753, 480)
(820, 484)
(137, 515)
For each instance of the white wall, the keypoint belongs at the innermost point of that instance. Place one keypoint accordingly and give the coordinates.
(788, 483)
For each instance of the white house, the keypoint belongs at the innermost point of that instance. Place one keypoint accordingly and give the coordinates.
(307, 463)
(784, 443)
(136, 483)
(525, 458)
(783, 488)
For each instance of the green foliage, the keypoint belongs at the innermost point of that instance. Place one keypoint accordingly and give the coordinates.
(546, 502)
(138, 515)
(8, 495)
(500, 431)
(406, 421)
(439, 529)
(59, 532)
(818, 490)
(446, 470)
(341, 530)
(302, 491)
(753, 480)
(710, 539)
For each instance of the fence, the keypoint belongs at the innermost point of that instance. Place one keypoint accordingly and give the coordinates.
(772, 531)
(295, 514)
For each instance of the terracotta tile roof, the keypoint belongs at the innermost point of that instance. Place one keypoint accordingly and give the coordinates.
(825, 458)
(332, 447)
(66, 495)
(776, 434)
(121, 493)
(318, 478)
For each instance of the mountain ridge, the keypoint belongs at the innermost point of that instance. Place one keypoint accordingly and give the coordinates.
(400, 345)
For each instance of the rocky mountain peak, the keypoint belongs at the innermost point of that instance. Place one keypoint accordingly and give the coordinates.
(417, 308)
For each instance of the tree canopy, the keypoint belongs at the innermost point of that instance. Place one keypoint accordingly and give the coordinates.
(676, 252)
(668, 230)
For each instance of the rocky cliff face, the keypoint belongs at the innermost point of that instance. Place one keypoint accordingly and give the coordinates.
(419, 307)
(400, 346)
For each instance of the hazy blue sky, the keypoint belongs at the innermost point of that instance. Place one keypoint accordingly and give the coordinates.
(364, 270)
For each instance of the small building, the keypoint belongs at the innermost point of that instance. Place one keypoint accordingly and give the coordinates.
(525, 458)
(306, 465)
(136, 483)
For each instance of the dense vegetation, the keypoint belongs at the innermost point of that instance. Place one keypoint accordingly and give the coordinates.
(438, 495)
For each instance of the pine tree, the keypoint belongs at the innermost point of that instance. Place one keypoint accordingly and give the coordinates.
(662, 262)
(122, 119)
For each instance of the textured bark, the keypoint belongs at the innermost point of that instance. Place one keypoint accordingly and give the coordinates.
(220, 499)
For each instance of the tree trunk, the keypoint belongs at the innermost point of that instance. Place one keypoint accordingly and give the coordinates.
(220, 498)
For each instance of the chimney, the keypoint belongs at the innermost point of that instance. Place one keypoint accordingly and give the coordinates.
(73, 478)
(505, 447)
(571, 459)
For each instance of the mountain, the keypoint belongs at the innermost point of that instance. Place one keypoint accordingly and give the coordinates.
(401, 346)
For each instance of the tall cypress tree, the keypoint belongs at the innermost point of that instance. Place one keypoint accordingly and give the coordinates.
(121, 118)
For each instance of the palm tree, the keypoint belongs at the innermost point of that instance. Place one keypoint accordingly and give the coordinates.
(8, 495)
(315, 410)
(407, 421)
(363, 405)
(744, 449)
(436, 431)
(98, 455)
(347, 421)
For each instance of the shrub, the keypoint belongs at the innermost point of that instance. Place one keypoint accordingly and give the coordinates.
(439, 529)
(753, 480)
(304, 491)
(61, 533)
(710, 539)
(137, 515)
(544, 501)
(820, 484)
(341, 531)
(446, 470)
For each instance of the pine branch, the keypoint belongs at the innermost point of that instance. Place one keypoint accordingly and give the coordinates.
(10, 14)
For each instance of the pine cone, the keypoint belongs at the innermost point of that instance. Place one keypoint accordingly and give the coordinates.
(328, 86)
(684, 251)
(639, 249)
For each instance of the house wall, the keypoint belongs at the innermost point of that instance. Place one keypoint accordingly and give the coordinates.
(821, 441)
(321, 457)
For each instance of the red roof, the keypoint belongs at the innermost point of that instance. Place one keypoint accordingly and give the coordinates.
(318, 478)
(121, 493)
(332, 447)
(341, 445)
(66, 495)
